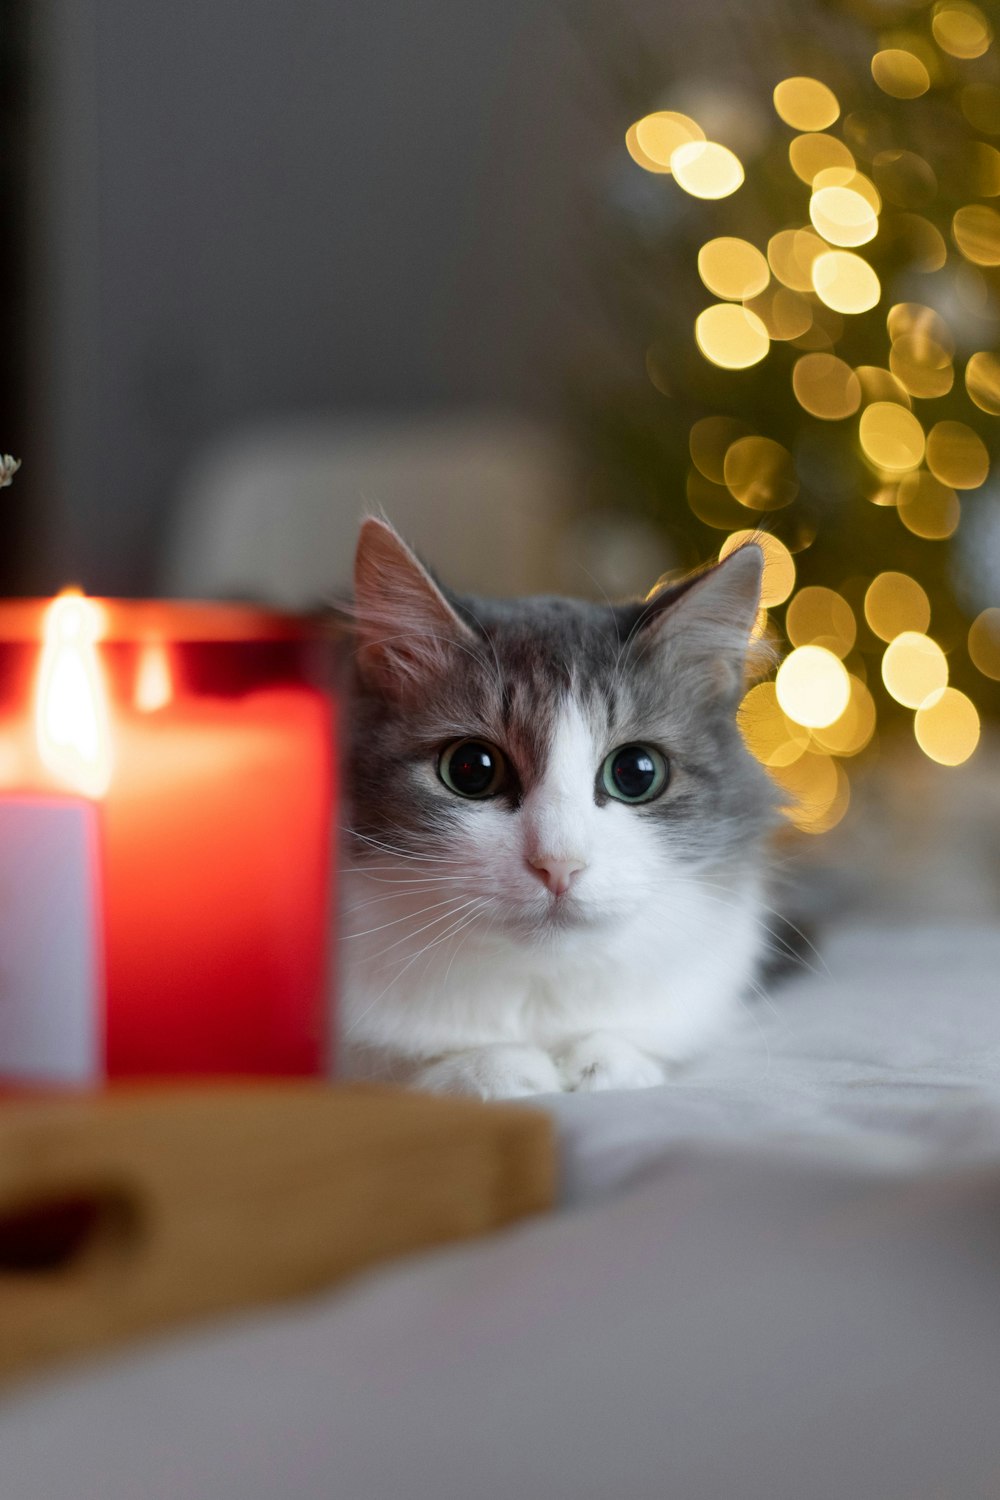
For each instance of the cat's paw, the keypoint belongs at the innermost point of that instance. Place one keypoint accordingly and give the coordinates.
(604, 1061)
(501, 1072)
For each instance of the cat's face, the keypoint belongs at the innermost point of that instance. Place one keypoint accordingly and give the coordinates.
(563, 766)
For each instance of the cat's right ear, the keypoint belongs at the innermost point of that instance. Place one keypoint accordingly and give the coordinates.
(404, 625)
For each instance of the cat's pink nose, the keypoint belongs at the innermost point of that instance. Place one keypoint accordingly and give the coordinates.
(556, 873)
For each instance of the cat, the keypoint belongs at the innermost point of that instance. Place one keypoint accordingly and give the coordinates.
(553, 861)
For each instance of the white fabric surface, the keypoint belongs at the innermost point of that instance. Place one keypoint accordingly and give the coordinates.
(799, 1298)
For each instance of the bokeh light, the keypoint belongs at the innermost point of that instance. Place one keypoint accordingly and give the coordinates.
(914, 668)
(815, 152)
(982, 381)
(927, 507)
(826, 386)
(854, 730)
(709, 440)
(957, 456)
(733, 268)
(658, 136)
(818, 616)
(818, 792)
(813, 686)
(731, 336)
(791, 253)
(881, 385)
(785, 314)
(845, 282)
(947, 727)
(770, 735)
(922, 365)
(779, 565)
(900, 73)
(891, 437)
(894, 604)
(760, 473)
(706, 170)
(843, 216)
(984, 169)
(984, 643)
(806, 104)
(905, 178)
(976, 231)
(961, 29)
(980, 103)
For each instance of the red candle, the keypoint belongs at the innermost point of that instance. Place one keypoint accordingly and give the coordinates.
(173, 764)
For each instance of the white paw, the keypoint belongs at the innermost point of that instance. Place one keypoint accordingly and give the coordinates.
(501, 1072)
(603, 1061)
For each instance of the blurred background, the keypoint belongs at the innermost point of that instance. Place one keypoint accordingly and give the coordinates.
(580, 293)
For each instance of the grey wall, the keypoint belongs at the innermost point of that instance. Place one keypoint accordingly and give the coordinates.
(249, 208)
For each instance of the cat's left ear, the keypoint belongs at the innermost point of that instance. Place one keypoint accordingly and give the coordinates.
(709, 619)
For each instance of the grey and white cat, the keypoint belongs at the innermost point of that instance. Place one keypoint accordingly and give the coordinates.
(554, 853)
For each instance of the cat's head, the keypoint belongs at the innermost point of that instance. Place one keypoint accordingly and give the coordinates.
(566, 763)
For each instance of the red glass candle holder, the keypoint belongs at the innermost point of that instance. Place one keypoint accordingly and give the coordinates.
(167, 806)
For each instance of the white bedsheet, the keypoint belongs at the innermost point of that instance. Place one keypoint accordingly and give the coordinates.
(778, 1276)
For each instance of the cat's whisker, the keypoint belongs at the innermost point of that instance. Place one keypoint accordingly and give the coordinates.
(444, 917)
(410, 916)
(394, 980)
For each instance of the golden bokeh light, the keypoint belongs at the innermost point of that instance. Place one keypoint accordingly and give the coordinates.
(779, 565)
(815, 152)
(638, 155)
(921, 365)
(900, 73)
(891, 437)
(658, 136)
(842, 216)
(961, 29)
(818, 792)
(818, 616)
(984, 169)
(845, 282)
(709, 441)
(895, 605)
(906, 318)
(957, 456)
(856, 181)
(806, 104)
(976, 231)
(905, 178)
(785, 314)
(733, 268)
(813, 686)
(854, 730)
(984, 643)
(791, 253)
(980, 104)
(916, 238)
(927, 507)
(706, 170)
(982, 381)
(914, 668)
(761, 475)
(770, 735)
(881, 385)
(947, 727)
(826, 387)
(712, 503)
(731, 336)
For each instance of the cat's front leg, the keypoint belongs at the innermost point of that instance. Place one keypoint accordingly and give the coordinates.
(497, 1072)
(603, 1060)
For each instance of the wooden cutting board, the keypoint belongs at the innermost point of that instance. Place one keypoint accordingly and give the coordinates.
(142, 1207)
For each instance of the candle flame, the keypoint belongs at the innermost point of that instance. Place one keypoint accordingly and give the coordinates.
(154, 686)
(71, 715)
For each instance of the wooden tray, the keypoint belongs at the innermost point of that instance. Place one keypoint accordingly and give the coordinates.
(143, 1207)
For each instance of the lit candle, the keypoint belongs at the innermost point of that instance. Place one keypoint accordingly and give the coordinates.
(166, 790)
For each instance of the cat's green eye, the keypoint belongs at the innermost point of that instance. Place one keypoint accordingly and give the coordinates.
(634, 773)
(471, 768)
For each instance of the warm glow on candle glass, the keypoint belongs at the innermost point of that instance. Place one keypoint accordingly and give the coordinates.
(71, 716)
(154, 687)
